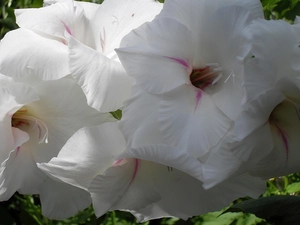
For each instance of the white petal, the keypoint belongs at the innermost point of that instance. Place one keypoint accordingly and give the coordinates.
(116, 18)
(189, 120)
(275, 39)
(284, 159)
(296, 58)
(139, 122)
(259, 77)
(12, 97)
(25, 54)
(229, 96)
(108, 189)
(156, 74)
(256, 113)
(63, 109)
(193, 13)
(57, 20)
(224, 37)
(162, 63)
(273, 48)
(89, 8)
(150, 189)
(60, 201)
(272, 61)
(231, 158)
(196, 200)
(166, 155)
(20, 173)
(150, 36)
(89, 152)
(103, 80)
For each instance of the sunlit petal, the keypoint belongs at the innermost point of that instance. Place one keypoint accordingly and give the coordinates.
(46, 59)
(104, 81)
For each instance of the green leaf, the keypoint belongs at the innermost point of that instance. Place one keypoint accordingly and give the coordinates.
(293, 188)
(8, 23)
(275, 209)
(269, 3)
(11, 13)
(117, 114)
(291, 14)
(217, 218)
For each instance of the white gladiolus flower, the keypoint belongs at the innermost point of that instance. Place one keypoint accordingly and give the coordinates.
(275, 99)
(264, 139)
(188, 65)
(36, 121)
(98, 71)
(91, 33)
(43, 40)
(94, 159)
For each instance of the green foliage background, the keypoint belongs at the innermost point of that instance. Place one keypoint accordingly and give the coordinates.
(26, 210)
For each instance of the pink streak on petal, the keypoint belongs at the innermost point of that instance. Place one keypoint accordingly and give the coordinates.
(285, 141)
(103, 40)
(136, 167)
(198, 98)
(64, 42)
(118, 162)
(17, 150)
(180, 61)
(67, 28)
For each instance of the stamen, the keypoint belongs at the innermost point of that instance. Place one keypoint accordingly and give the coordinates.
(43, 137)
(217, 79)
(212, 64)
(230, 75)
(170, 169)
(208, 75)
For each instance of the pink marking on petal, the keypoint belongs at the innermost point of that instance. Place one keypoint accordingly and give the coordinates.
(67, 28)
(282, 134)
(103, 40)
(118, 162)
(136, 167)
(180, 61)
(198, 98)
(64, 42)
(19, 123)
(17, 150)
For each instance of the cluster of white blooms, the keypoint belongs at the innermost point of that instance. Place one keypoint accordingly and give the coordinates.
(209, 92)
